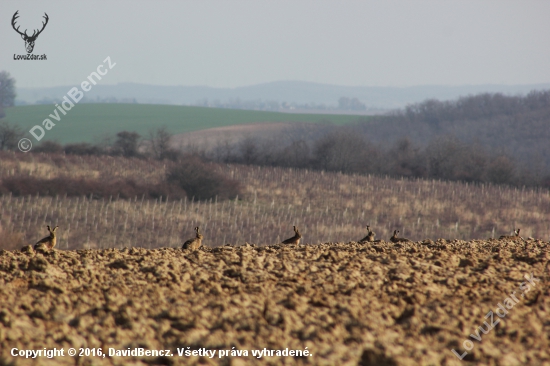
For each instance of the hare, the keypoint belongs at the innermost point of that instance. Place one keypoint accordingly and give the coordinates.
(513, 237)
(295, 239)
(49, 241)
(370, 236)
(194, 243)
(395, 239)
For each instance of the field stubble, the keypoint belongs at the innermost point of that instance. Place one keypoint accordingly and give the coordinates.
(327, 207)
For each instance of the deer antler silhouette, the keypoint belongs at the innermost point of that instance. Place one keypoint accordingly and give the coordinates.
(29, 40)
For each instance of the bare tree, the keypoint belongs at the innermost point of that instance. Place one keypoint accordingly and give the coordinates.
(127, 143)
(249, 150)
(341, 150)
(405, 159)
(350, 104)
(160, 142)
(7, 91)
(296, 154)
(9, 136)
(444, 156)
(501, 170)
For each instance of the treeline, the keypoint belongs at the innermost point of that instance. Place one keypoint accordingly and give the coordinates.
(346, 151)
(125, 143)
(343, 104)
(484, 138)
(517, 126)
(478, 107)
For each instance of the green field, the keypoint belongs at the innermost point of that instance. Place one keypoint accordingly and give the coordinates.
(90, 122)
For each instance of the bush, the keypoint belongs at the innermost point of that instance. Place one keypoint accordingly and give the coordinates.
(127, 143)
(9, 136)
(200, 180)
(501, 170)
(82, 149)
(48, 147)
(341, 150)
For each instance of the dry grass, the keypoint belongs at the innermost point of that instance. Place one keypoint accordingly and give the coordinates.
(327, 207)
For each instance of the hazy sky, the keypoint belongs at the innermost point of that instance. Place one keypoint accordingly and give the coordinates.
(234, 43)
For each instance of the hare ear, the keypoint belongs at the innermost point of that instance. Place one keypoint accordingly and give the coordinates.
(55, 228)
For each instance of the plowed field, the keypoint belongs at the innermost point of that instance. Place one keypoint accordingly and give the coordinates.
(343, 303)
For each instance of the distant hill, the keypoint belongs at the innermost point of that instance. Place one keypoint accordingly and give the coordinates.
(375, 98)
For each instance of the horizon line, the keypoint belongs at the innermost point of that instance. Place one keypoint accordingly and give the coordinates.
(304, 82)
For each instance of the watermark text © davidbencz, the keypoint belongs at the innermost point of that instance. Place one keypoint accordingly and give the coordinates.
(501, 311)
(72, 97)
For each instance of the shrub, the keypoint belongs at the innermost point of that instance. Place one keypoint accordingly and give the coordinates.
(501, 170)
(127, 143)
(48, 147)
(82, 149)
(9, 136)
(200, 180)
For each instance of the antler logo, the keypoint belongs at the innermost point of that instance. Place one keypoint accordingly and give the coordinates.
(29, 40)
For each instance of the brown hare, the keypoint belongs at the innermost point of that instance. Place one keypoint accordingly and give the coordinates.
(395, 239)
(513, 237)
(370, 236)
(295, 239)
(49, 241)
(194, 243)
